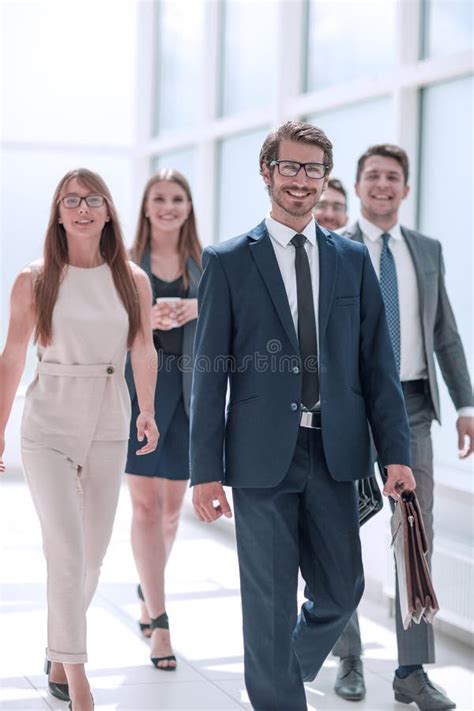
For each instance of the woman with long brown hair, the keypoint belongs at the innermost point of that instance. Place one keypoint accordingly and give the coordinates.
(86, 305)
(167, 247)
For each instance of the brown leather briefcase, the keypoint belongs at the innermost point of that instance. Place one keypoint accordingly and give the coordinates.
(415, 589)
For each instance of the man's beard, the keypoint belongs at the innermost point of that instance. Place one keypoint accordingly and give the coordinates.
(293, 210)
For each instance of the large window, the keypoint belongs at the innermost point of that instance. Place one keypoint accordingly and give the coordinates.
(249, 47)
(352, 130)
(448, 27)
(182, 160)
(67, 90)
(446, 183)
(348, 40)
(62, 80)
(243, 202)
(179, 64)
(446, 212)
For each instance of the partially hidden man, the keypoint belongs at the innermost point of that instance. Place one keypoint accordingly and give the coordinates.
(292, 319)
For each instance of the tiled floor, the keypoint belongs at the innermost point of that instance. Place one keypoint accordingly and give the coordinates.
(204, 611)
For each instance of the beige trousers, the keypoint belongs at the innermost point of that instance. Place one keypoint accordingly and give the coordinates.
(76, 508)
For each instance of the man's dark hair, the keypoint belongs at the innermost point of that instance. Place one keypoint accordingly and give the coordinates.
(336, 184)
(299, 132)
(387, 150)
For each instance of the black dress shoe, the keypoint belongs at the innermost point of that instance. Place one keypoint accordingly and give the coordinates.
(350, 679)
(60, 691)
(417, 687)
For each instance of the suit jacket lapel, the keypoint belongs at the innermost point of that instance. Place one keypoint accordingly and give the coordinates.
(327, 278)
(419, 271)
(266, 261)
(354, 232)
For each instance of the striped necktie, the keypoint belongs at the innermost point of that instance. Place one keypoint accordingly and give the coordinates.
(389, 287)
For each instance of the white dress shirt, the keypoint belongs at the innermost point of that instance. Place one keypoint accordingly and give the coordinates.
(412, 352)
(281, 236)
(413, 361)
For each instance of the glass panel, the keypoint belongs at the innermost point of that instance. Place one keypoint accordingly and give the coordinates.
(249, 48)
(180, 32)
(446, 213)
(182, 160)
(352, 130)
(348, 40)
(70, 73)
(243, 201)
(446, 200)
(448, 26)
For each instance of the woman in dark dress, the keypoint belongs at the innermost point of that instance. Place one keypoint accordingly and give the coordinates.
(167, 247)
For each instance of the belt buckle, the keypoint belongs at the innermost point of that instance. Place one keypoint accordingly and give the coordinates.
(308, 420)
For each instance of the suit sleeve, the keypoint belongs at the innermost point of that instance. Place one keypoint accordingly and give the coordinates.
(449, 349)
(212, 346)
(384, 402)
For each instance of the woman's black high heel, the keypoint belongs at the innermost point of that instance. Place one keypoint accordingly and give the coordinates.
(60, 691)
(144, 626)
(92, 699)
(162, 623)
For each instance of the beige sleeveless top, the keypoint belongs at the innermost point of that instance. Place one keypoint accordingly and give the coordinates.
(79, 393)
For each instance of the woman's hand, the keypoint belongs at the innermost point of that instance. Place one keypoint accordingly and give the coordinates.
(186, 310)
(163, 317)
(146, 427)
(2, 449)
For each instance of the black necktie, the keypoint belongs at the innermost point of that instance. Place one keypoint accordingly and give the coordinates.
(306, 324)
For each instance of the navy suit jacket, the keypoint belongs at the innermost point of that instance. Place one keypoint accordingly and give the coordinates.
(245, 338)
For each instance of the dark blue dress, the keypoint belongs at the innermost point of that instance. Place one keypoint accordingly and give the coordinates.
(171, 458)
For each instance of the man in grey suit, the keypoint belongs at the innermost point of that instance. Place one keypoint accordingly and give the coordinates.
(421, 324)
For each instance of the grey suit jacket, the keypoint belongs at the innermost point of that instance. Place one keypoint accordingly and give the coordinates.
(186, 360)
(440, 333)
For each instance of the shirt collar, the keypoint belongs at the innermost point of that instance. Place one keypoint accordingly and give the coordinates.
(284, 234)
(373, 233)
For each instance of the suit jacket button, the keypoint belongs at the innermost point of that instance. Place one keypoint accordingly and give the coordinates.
(294, 406)
(296, 370)
(110, 370)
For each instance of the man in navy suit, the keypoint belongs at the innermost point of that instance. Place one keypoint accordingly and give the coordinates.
(294, 437)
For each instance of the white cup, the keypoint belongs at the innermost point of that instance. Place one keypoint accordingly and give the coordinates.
(173, 302)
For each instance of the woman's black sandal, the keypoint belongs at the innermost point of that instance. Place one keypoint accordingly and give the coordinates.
(162, 623)
(59, 690)
(144, 626)
(70, 704)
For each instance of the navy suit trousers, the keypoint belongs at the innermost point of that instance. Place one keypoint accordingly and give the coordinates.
(308, 522)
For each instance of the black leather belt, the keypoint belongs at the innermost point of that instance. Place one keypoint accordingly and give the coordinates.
(414, 387)
(311, 420)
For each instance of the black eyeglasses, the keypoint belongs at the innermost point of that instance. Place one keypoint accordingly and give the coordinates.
(291, 168)
(71, 201)
(337, 207)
